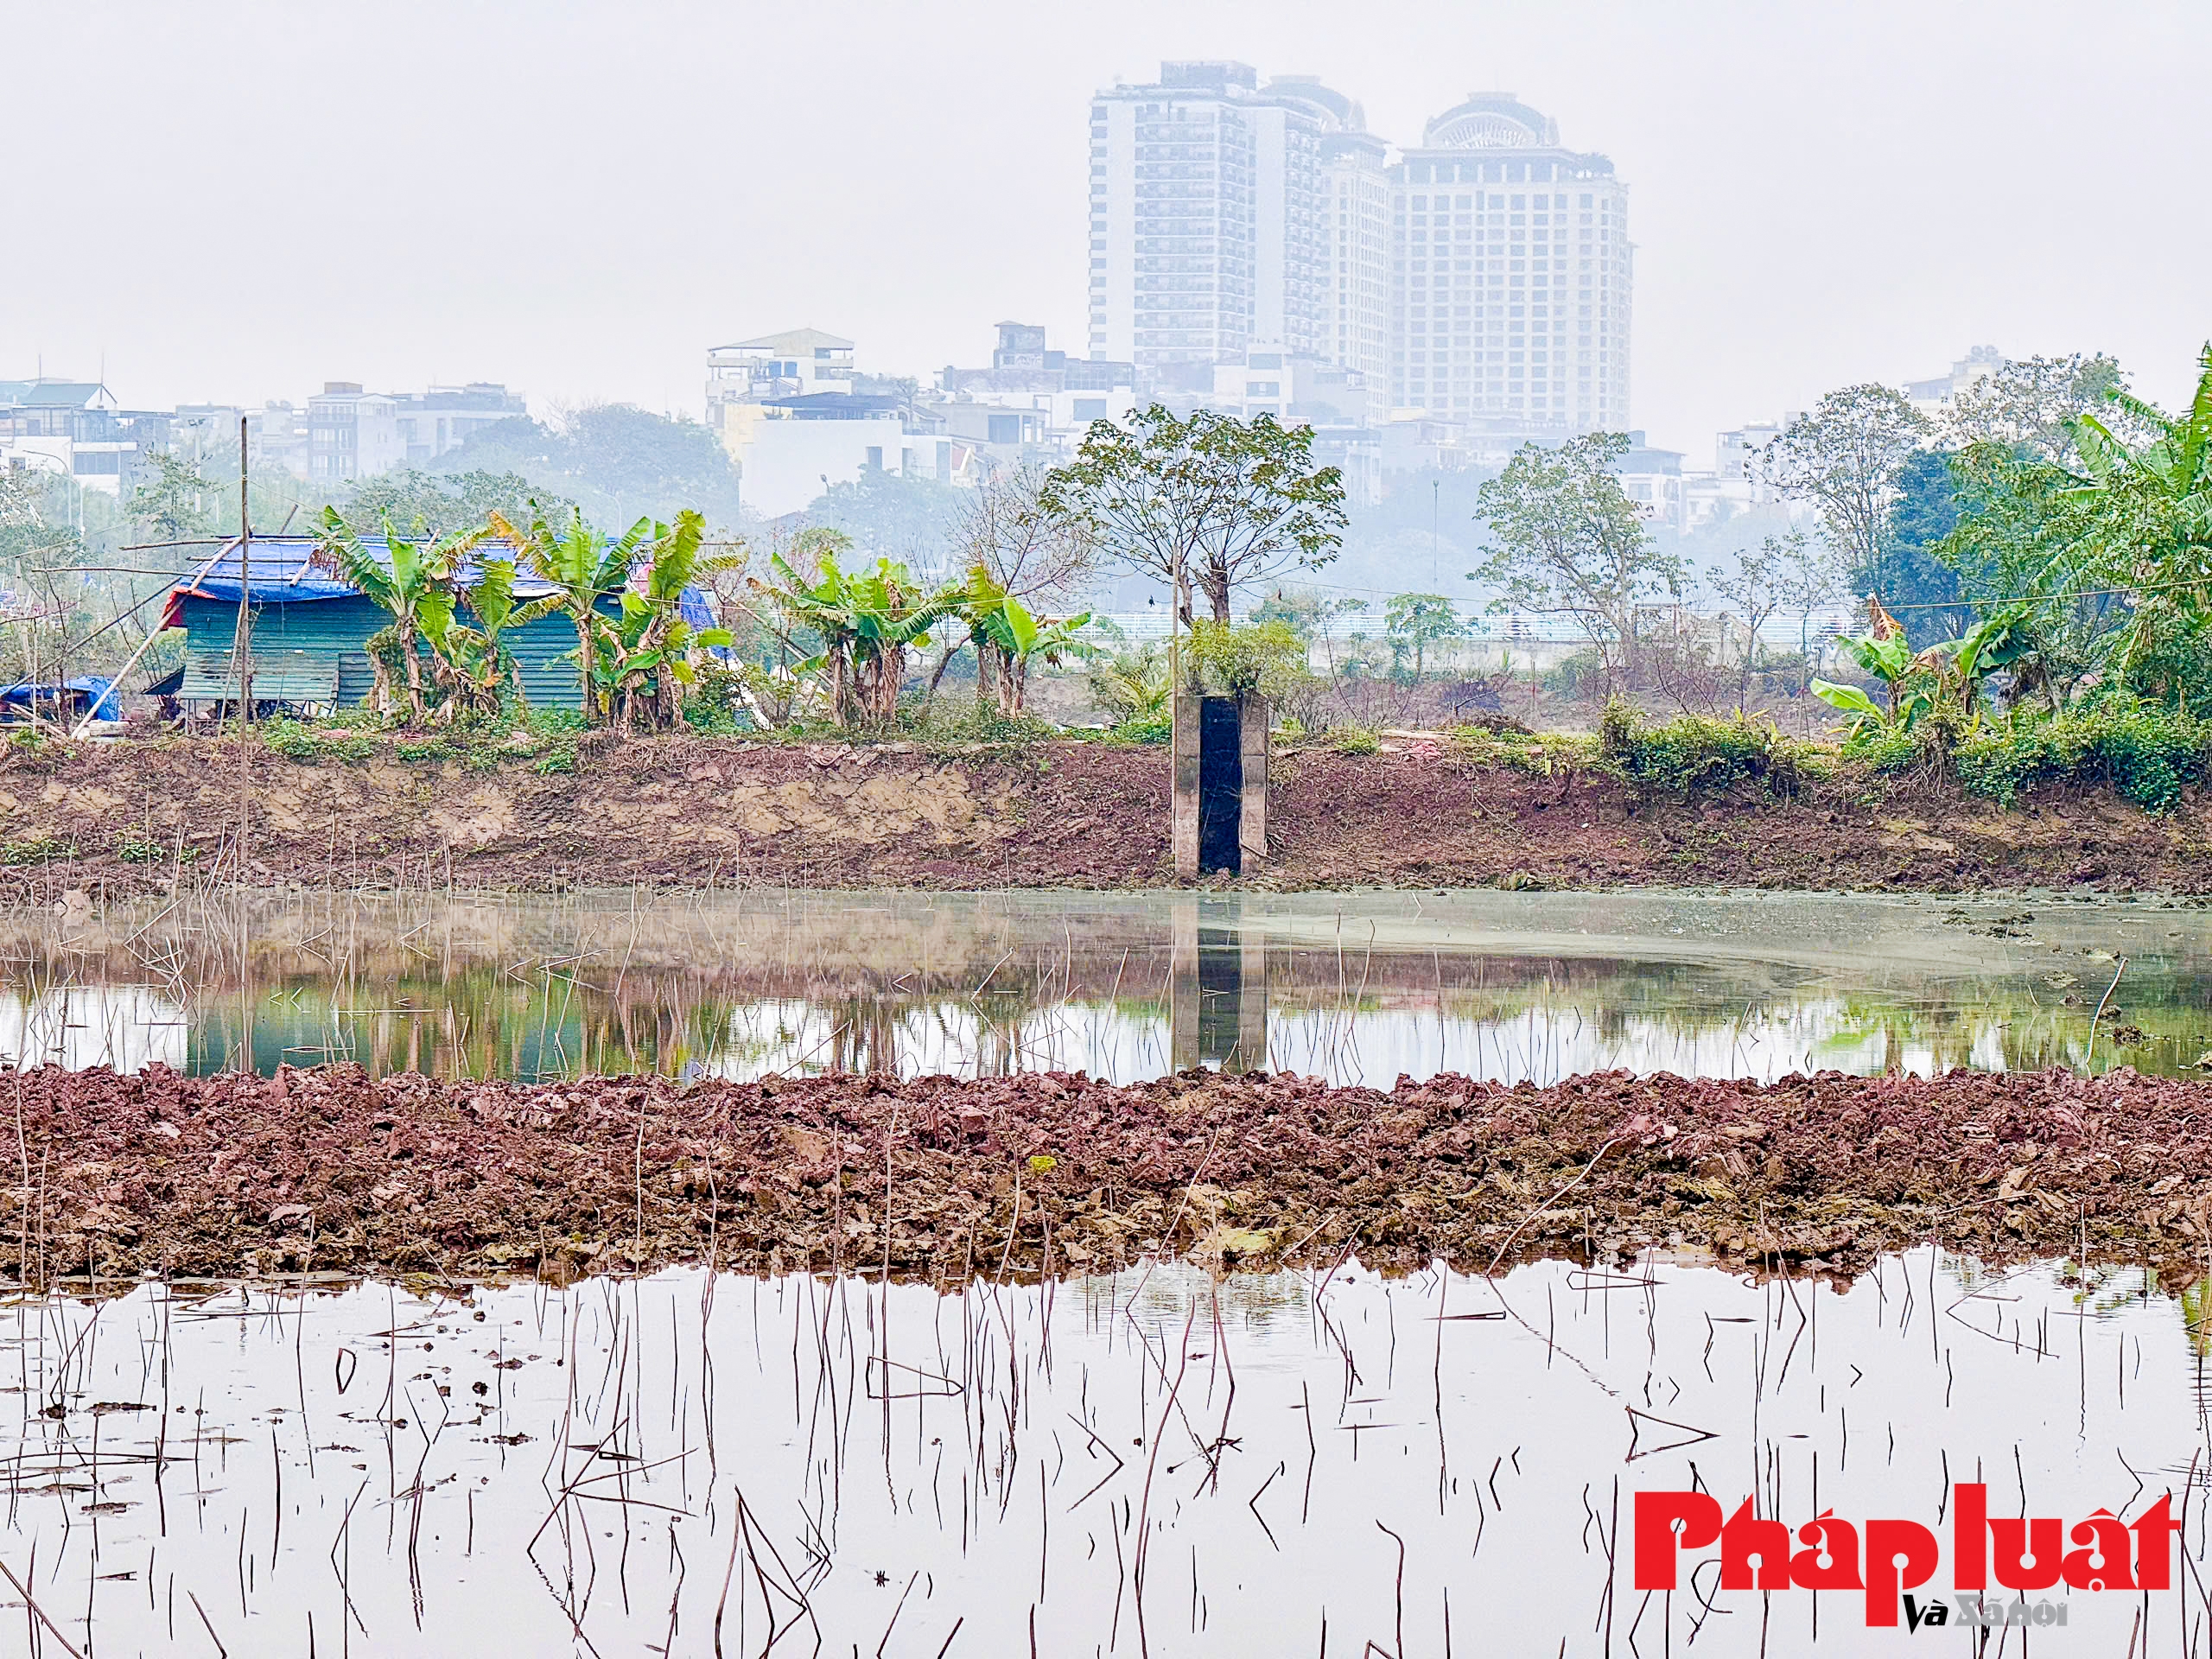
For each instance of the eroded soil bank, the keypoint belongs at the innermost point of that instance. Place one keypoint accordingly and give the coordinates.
(693, 812)
(328, 1171)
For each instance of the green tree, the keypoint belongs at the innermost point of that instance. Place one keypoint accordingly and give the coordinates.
(584, 567)
(886, 515)
(2019, 537)
(614, 461)
(414, 583)
(438, 503)
(1204, 499)
(642, 662)
(1413, 622)
(1916, 586)
(1570, 542)
(172, 504)
(2033, 407)
(1844, 458)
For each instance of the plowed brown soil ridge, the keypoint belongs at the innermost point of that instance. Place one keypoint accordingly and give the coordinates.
(327, 1170)
(136, 817)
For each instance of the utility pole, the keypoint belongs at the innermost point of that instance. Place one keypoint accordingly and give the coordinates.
(1435, 535)
(242, 652)
(241, 639)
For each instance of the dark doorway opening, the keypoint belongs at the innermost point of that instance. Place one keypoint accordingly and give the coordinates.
(1221, 785)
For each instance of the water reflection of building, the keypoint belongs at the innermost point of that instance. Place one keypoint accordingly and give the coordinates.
(1220, 997)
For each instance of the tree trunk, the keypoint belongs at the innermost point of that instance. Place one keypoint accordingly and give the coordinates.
(1216, 590)
(584, 666)
(943, 662)
(408, 649)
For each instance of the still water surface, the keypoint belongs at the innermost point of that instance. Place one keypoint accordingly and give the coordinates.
(1157, 1463)
(1356, 988)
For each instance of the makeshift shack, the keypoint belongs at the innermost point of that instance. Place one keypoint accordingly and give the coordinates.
(309, 649)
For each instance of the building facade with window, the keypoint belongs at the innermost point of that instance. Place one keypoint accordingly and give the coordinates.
(353, 434)
(1206, 229)
(1484, 277)
(1512, 274)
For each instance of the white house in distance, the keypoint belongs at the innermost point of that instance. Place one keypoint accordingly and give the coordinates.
(787, 409)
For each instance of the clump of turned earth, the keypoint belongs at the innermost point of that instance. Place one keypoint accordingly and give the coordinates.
(329, 1170)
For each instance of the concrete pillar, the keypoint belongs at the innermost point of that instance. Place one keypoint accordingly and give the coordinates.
(1253, 716)
(1183, 814)
(1183, 971)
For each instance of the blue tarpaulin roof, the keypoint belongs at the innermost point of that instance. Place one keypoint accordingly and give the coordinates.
(282, 572)
(99, 692)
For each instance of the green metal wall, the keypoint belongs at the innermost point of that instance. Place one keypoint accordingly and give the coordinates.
(338, 628)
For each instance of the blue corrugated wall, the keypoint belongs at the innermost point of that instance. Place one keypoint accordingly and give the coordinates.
(328, 628)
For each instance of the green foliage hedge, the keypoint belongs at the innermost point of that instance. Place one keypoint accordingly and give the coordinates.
(2146, 753)
(1690, 755)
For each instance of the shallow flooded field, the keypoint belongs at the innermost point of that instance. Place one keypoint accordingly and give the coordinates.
(1156, 1463)
(1358, 987)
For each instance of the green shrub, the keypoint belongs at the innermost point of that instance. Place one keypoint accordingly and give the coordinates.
(1690, 755)
(133, 848)
(431, 748)
(1354, 740)
(294, 739)
(2146, 753)
(1235, 658)
(556, 754)
(1151, 728)
(306, 743)
(40, 849)
(1574, 673)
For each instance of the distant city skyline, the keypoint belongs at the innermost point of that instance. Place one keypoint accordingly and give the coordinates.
(1231, 217)
(1822, 196)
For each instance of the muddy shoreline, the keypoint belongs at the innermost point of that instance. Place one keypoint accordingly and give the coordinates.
(116, 819)
(116, 1176)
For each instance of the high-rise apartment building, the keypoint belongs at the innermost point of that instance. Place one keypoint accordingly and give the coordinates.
(1511, 268)
(1484, 276)
(1207, 231)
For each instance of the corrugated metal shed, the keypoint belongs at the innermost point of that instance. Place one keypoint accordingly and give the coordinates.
(299, 608)
(294, 677)
(336, 630)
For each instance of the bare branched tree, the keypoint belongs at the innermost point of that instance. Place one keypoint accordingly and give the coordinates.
(2033, 405)
(1036, 555)
(1844, 457)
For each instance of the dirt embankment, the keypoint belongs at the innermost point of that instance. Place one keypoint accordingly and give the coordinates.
(327, 1170)
(696, 811)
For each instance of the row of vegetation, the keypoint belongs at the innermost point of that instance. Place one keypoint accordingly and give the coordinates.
(2037, 565)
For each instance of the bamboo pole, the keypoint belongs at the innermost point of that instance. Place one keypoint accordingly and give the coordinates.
(242, 654)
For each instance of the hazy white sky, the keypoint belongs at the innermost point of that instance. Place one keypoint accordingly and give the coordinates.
(232, 200)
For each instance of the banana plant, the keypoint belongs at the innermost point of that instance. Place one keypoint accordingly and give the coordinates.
(415, 584)
(642, 665)
(1945, 675)
(1023, 639)
(583, 567)
(2145, 518)
(867, 621)
(478, 657)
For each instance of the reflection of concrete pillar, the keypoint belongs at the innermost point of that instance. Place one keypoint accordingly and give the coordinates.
(1183, 972)
(1252, 720)
(1183, 814)
(1251, 1051)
